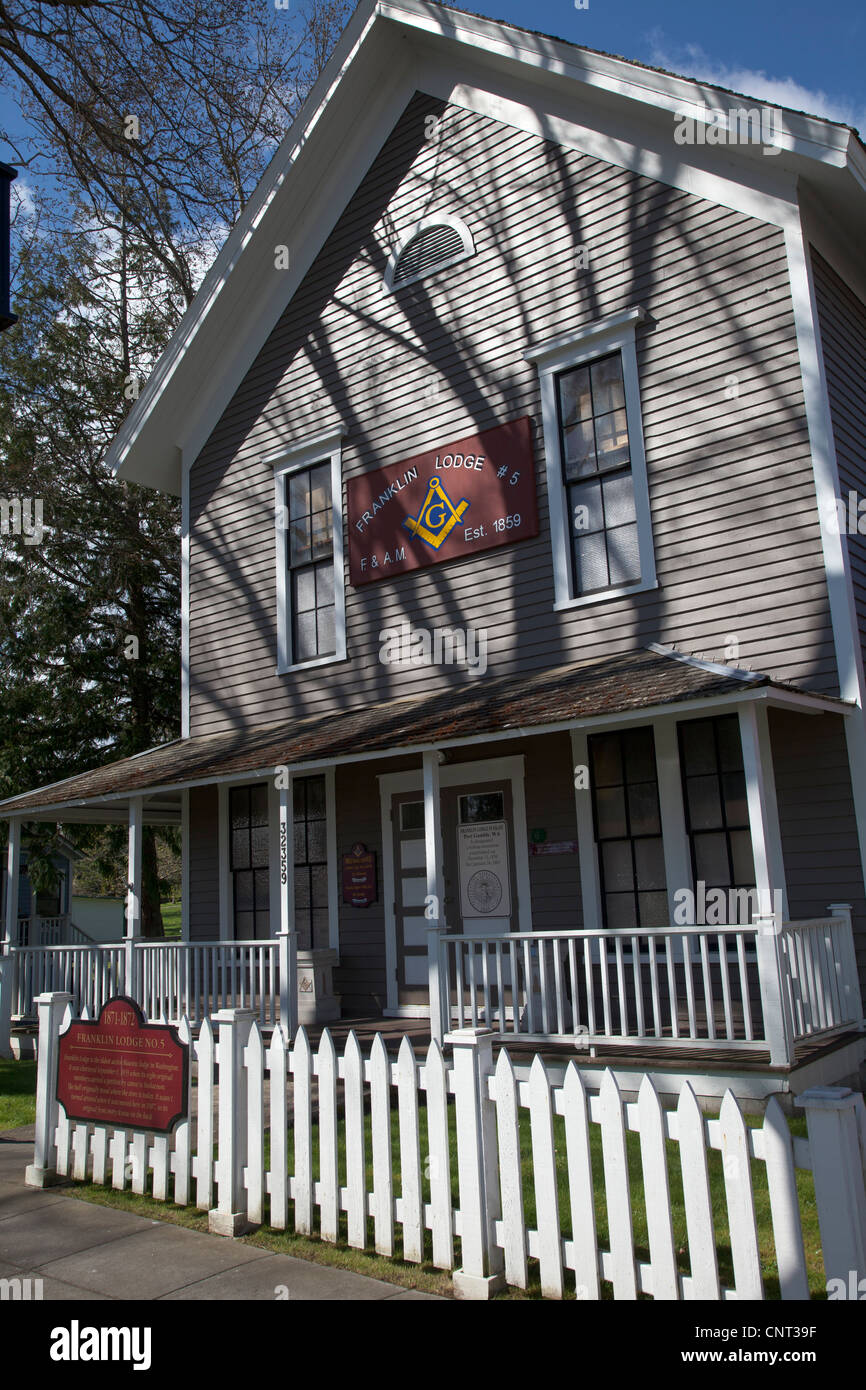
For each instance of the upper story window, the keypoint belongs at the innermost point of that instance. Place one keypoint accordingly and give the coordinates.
(431, 246)
(310, 586)
(310, 560)
(596, 471)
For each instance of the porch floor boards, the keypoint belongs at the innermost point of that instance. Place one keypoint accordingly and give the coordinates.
(662, 1057)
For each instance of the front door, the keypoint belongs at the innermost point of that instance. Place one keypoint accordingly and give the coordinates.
(479, 872)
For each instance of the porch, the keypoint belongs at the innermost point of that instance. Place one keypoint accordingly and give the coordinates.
(529, 938)
(763, 999)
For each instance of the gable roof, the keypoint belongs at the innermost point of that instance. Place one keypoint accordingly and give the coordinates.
(390, 49)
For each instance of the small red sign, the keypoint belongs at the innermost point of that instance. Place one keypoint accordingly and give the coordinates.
(446, 504)
(359, 877)
(122, 1071)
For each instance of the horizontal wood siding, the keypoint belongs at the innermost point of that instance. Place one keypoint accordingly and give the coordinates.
(204, 902)
(842, 319)
(734, 513)
(816, 815)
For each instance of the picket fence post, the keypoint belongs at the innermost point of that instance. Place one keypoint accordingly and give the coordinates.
(483, 1271)
(42, 1172)
(840, 1189)
(229, 1216)
(7, 985)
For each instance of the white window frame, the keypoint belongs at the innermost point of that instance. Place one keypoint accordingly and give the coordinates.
(616, 333)
(305, 454)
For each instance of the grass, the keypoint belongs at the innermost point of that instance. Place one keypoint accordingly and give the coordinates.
(17, 1094)
(171, 920)
(17, 1107)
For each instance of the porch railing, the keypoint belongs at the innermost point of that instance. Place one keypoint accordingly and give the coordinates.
(168, 979)
(51, 931)
(742, 987)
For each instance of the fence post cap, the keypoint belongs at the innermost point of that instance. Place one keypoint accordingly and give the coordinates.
(827, 1098)
(56, 997)
(467, 1037)
(839, 907)
(232, 1015)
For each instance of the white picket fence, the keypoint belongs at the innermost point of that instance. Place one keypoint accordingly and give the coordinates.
(264, 1113)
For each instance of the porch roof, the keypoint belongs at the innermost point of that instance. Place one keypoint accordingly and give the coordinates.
(502, 707)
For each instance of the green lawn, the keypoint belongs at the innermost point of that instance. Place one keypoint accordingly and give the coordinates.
(171, 920)
(17, 1107)
(17, 1094)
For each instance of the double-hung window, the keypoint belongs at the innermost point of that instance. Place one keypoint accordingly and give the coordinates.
(596, 471)
(310, 593)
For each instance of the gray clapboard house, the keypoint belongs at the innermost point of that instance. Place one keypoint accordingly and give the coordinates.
(519, 427)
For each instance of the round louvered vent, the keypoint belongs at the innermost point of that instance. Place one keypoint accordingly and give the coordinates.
(432, 246)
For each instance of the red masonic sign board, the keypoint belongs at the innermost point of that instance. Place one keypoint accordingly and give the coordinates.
(123, 1071)
(446, 504)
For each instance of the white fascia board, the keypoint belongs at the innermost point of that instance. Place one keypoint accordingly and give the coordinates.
(806, 135)
(234, 266)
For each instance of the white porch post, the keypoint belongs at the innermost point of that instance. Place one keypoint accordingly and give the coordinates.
(590, 889)
(133, 888)
(13, 876)
(288, 937)
(769, 879)
(435, 892)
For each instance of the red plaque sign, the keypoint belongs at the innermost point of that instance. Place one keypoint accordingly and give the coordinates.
(446, 504)
(120, 1070)
(359, 877)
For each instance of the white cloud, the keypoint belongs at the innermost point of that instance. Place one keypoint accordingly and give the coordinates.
(690, 60)
(22, 194)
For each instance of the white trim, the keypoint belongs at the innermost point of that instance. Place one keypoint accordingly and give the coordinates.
(134, 868)
(306, 454)
(675, 840)
(440, 220)
(286, 856)
(763, 812)
(590, 883)
(605, 596)
(613, 334)
(391, 989)
(13, 876)
(225, 878)
(840, 590)
(331, 851)
(184, 603)
(434, 850)
(555, 353)
(184, 865)
(451, 775)
(771, 806)
(274, 904)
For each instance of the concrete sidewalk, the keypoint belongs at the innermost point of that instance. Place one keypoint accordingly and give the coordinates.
(83, 1251)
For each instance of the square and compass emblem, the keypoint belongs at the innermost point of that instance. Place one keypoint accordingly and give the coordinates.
(452, 502)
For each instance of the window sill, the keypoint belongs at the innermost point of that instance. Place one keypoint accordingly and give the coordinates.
(311, 665)
(625, 591)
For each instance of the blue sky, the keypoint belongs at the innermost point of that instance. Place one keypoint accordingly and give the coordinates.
(800, 53)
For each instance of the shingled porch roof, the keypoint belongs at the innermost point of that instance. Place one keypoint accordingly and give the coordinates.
(482, 707)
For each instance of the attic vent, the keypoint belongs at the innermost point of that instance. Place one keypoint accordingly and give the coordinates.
(431, 246)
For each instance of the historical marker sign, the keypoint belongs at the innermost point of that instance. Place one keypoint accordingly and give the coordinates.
(449, 503)
(120, 1070)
